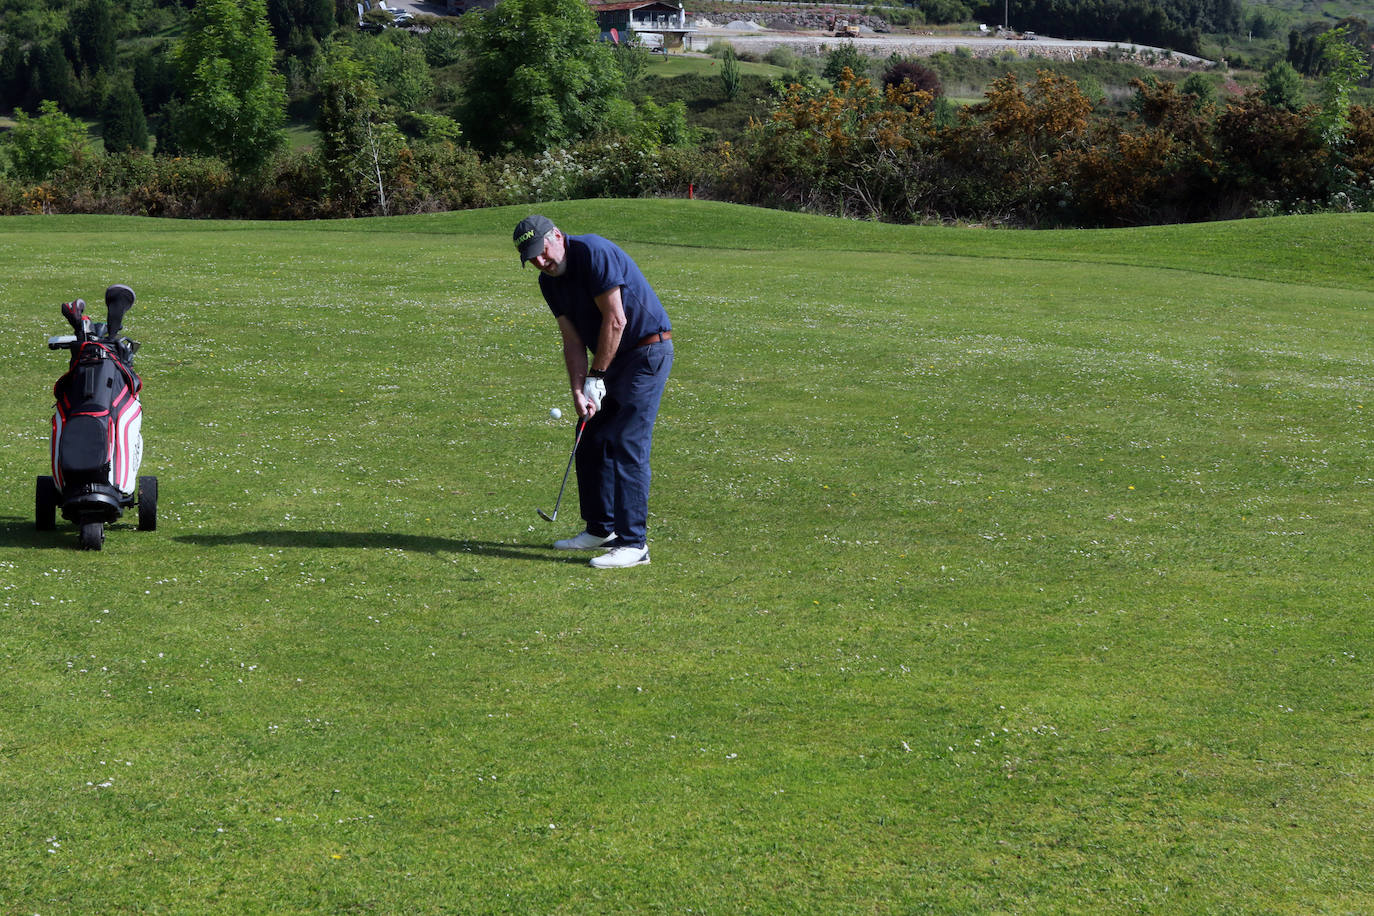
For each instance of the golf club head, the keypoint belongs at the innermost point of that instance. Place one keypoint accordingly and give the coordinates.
(74, 312)
(118, 300)
(546, 516)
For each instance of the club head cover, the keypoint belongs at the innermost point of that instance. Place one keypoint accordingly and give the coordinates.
(118, 300)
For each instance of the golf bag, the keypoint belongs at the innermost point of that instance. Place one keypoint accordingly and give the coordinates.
(97, 428)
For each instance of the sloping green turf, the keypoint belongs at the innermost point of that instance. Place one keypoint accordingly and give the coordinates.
(992, 572)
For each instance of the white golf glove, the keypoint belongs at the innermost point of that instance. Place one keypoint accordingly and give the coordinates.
(594, 389)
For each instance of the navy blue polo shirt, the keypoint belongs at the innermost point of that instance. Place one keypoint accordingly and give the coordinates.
(595, 265)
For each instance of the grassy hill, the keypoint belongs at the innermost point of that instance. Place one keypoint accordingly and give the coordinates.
(992, 572)
(1313, 10)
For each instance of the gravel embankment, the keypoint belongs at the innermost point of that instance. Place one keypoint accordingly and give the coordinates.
(760, 40)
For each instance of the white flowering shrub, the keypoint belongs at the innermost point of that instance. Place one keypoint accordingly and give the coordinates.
(610, 168)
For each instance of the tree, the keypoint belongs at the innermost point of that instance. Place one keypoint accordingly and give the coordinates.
(1282, 87)
(309, 19)
(51, 76)
(730, 78)
(443, 44)
(632, 58)
(1264, 22)
(233, 101)
(1304, 52)
(39, 147)
(539, 78)
(846, 56)
(939, 12)
(1345, 65)
(920, 77)
(122, 123)
(396, 60)
(154, 75)
(1203, 91)
(358, 146)
(93, 34)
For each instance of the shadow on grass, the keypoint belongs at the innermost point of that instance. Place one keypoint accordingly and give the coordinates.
(20, 532)
(380, 540)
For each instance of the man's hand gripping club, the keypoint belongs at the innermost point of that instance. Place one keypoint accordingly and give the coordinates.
(589, 398)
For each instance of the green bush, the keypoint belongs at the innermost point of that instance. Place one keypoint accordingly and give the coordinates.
(942, 12)
(842, 57)
(14, 200)
(706, 107)
(38, 147)
(442, 44)
(1282, 87)
(783, 57)
(906, 16)
(1092, 89)
(1201, 88)
(1271, 153)
(144, 185)
(918, 75)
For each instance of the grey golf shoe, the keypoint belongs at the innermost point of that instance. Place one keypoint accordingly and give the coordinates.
(621, 557)
(584, 541)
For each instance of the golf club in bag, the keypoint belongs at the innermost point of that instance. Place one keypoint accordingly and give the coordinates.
(97, 439)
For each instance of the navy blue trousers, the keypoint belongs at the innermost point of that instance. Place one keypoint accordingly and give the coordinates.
(613, 459)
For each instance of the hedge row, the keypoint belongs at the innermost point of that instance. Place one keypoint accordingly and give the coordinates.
(1033, 155)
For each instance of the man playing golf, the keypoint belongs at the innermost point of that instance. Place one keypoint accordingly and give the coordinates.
(604, 305)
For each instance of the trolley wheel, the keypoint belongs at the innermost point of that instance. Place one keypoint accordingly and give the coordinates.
(45, 504)
(92, 535)
(147, 504)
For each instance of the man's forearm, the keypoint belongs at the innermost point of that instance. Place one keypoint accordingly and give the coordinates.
(612, 328)
(576, 360)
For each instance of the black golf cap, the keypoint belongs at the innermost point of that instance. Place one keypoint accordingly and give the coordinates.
(529, 236)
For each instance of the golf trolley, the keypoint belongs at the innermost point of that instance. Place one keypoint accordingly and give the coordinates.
(97, 440)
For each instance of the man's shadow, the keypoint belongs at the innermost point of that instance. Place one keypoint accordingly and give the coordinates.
(375, 540)
(19, 532)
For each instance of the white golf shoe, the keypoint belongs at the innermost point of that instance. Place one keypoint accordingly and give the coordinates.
(584, 541)
(621, 557)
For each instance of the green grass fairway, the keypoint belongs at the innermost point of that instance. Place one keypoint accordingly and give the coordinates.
(993, 572)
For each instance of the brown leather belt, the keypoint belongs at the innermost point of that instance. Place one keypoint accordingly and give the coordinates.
(655, 338)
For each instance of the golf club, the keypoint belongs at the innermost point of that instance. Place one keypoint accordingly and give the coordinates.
(75, 313)
(581, 425)
(118, 300)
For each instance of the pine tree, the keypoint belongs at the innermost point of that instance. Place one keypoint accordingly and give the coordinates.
(122, 123)
(93, 25)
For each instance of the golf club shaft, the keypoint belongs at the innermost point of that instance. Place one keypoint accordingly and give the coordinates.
(581, 425)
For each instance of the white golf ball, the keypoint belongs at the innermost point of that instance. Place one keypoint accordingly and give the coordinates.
(555, 413)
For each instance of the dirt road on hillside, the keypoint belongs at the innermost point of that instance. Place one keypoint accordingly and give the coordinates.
(760, 40)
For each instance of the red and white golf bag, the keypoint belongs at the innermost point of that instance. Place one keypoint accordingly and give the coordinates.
(97, 423)
(97, 428)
